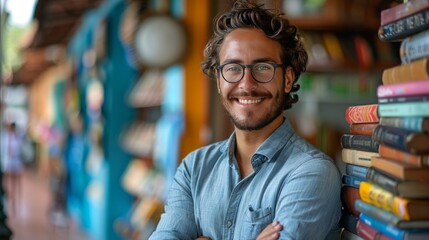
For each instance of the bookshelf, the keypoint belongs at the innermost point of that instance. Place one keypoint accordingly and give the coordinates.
(346, 60)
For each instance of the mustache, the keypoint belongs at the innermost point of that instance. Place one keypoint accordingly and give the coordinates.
(238, 94)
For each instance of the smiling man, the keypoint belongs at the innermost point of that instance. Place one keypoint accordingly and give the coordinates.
(264, 181)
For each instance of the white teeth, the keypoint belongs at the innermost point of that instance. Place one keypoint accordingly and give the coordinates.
(249, 101)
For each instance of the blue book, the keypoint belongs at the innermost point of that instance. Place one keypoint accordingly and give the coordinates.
(388, 217)
(356, 171)
(352, 181)
(393, 232)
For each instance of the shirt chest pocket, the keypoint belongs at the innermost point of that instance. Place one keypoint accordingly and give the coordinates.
(255, 221)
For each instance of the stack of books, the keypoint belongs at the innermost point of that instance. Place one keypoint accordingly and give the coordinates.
(357, 149)
(394, 199)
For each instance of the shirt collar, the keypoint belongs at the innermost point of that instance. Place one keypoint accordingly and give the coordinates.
(269, 148)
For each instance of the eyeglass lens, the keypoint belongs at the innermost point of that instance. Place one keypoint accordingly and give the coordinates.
(234, 72)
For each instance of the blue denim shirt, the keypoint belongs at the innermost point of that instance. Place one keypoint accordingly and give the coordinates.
(292, 182)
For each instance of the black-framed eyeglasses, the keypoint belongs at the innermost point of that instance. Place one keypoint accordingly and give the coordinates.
(262, 72)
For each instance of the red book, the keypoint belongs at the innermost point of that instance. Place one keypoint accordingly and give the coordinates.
(403, 89)
(363, 128)
(348, 196)
(402, 10)
(369, 233)
(362, 114)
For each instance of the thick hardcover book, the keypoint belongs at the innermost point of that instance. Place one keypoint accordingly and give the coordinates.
(351, 181)
(362, 128)
(359, 142)
(414, 71)
(404, 99)
(348, 197)
(395, 233)
(362, 114)
(404, 27)
(400, 170)
(407, 209)
(416, 88)
(402, 139)
(401, 188)
(402, 10)
(369, 233)
(402, 156)
(406, 109)
(414, 47)
(417, 124)
(356, 171)
(357, 157)
(388, 217)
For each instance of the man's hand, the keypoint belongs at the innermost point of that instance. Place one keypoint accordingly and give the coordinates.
(271, 232)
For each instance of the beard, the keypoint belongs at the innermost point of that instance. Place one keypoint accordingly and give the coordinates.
(251, 121)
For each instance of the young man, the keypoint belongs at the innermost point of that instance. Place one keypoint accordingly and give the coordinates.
(264, 182)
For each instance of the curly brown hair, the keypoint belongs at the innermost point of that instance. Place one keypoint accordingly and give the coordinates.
(246, 14)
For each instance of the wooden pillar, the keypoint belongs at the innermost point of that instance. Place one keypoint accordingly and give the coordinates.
(196, 93)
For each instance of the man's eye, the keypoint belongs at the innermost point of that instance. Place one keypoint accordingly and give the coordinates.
(262, 68)
(233, 69)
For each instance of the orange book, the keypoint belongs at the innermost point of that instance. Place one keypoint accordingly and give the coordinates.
(400, 170)
(414, 71)
(362, 114)
(363, 128)
(401, 156)
(406, 209)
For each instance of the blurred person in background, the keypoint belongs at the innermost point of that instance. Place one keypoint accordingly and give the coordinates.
(12, 141)
(264, 182)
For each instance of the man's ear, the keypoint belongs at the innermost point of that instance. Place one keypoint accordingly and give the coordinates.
(289, 78)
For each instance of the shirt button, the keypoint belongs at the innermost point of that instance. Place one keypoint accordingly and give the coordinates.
(229, 223)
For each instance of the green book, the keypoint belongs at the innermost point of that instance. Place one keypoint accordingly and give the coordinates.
(407, 109)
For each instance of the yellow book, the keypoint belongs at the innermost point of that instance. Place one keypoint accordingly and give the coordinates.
(406, 209)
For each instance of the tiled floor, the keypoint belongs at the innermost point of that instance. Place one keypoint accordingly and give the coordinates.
(31, 220)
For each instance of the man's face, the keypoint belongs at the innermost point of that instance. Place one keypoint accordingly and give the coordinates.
(250, 104)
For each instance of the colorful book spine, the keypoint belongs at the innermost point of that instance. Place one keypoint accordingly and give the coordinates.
(356, 171)
(392, 232)
(388, 217)
(402, 156)
(414, 47)
(400, 170)
(420, 87)
(359, 142)
(367, 232)
(357, 157)
(402, 139)
(382, 180)
(417, 124)
(352, 181)
(405, 99)
(362, 114)
(348, 197)
(379, 197)
(402, 10)
(404, 27)
(414, 71)
(362, 128)
(407, 109)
